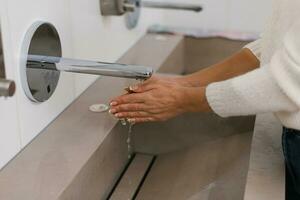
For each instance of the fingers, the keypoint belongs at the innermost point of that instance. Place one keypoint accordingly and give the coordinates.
(129, 98)
(128, 107)
(144, 87)
(141, 120)
(130, 115)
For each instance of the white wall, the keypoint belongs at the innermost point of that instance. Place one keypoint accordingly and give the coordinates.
(231, 15)
(9, 127)
(85, 34)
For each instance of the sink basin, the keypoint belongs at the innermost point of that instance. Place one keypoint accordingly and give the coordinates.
(198, 156)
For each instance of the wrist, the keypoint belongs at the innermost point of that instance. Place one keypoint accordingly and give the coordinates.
(200, 80)
(195, 100)
(183, 81)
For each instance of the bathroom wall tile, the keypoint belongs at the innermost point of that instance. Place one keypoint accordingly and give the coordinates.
(33, 117)
(9, 135)
(232, 15)
(246, 15)
(213, 16)
(9, 128)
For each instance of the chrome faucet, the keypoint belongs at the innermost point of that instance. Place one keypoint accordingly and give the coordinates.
(120, 7)
(132, 8)
(89, 67)
(171, 6)
(42, 63)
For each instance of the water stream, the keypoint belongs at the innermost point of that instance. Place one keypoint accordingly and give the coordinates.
(130, 148)
(129, 141)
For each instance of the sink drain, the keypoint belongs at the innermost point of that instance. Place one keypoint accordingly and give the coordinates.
(99, 108)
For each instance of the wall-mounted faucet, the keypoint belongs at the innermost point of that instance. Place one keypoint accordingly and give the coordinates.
(7, 87)
(132, 8)
(120, 7)
(42, 63)
(89, 67)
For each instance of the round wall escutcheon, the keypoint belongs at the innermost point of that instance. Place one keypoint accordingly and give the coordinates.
(132, 18)
(39, 83)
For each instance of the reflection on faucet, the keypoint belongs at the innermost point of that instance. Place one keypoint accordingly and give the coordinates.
(172, 6)
(89, 67)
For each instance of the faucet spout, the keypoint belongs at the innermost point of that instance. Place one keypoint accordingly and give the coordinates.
(89, 67)
(171, 5)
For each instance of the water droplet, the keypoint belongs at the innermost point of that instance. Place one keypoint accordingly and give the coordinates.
(123, 122)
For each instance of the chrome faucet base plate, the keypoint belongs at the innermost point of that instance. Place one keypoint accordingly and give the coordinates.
(132, 17)
(40, 83)
(42, 63)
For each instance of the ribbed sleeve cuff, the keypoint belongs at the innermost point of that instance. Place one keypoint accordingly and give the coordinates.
(253, 93)
(255, 48)
(224, 99)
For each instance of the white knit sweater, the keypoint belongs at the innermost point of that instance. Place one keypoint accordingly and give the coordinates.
(275, 86)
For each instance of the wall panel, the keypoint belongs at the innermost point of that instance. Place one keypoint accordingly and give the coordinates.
(231, 15)
(35, 117)
(9, 126)
(248, 15)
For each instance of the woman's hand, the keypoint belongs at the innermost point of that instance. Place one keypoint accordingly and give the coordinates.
(159, 99)
(175, 79)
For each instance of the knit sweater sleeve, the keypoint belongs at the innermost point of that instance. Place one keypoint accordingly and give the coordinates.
(255, 48)
(273, 88)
